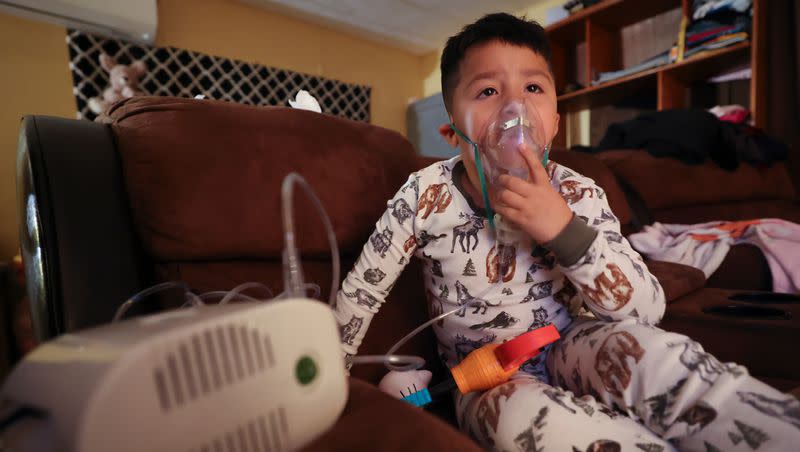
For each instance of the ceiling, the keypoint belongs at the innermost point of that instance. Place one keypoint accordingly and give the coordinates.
(419, 26)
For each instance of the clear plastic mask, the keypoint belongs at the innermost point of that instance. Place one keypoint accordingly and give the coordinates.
(513, 129)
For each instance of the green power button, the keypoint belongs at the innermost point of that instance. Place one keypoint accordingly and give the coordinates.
(305, 370)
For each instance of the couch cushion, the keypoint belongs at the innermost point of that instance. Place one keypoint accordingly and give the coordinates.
(374, 421)
(590, 166)
(668, 183)
(730, 211)
(744, 268)
(204, 177)
(677, 280)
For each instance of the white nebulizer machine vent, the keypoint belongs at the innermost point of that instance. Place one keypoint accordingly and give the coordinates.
(209, 361)
(212, 360)
(265, 433)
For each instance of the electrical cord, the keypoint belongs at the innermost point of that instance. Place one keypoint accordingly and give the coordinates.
(189, 297)
(292, 269)
(18, 414)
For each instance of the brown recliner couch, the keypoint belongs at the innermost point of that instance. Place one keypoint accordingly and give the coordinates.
(178, 189)
(670, 191)
(189, 190)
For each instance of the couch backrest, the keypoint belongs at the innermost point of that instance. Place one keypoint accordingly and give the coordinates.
(204, 181)
(675, 192)
(205, 176)
(589, 166)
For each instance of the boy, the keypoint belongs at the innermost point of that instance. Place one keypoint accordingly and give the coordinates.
(670, 391)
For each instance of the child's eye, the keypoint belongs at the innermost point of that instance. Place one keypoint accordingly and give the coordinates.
(486, 92)
(534, 88)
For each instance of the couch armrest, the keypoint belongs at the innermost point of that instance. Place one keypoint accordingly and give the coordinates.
(676, 279)
(82, 256)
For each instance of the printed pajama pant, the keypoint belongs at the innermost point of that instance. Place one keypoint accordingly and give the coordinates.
(628, 386)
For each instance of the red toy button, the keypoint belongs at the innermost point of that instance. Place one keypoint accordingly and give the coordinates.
(525, 346)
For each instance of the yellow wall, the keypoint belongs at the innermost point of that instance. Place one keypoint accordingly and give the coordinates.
(35, 77)
(236, 30)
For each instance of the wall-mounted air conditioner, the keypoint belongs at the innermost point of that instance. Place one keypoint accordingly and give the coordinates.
(129, 20)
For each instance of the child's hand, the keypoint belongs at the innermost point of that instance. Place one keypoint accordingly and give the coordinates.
(533, 205)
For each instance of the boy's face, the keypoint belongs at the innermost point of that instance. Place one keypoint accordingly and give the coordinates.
(491, 75)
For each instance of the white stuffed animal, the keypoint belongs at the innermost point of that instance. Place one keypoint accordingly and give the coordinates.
(400, 384)
(123, 83)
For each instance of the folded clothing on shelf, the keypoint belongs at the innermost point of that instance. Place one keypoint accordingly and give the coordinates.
(706, 8)
(655, 61)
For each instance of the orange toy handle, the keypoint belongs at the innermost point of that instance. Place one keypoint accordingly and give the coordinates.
(494, 364)
(480, 370)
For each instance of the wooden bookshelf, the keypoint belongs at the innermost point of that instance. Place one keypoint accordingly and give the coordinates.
(596, 32)
(702, 65)
(612, 14)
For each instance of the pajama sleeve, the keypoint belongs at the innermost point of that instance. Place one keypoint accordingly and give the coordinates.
(382, 259)
(609, 275)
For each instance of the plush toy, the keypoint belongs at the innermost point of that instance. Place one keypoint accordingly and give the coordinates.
(124, 81)
(400, 384)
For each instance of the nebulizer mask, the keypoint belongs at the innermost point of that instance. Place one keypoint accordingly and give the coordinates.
(514, 128)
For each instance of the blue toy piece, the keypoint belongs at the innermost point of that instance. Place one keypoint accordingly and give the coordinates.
(419, 398)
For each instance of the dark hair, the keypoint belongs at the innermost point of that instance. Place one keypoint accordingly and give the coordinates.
(498, 26)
